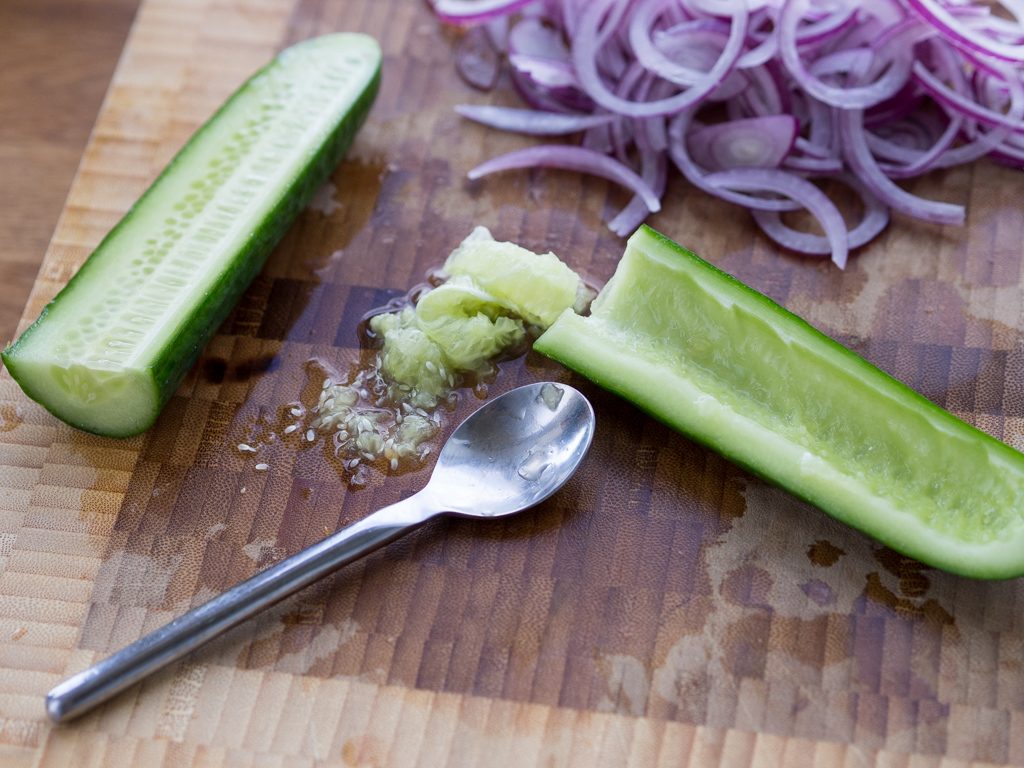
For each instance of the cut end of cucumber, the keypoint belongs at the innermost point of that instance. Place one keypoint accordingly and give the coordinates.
(104, 399)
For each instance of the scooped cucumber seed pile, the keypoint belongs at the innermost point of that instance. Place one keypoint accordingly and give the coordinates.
(496, 297)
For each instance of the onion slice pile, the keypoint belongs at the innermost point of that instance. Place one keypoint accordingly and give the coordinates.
(754, 101)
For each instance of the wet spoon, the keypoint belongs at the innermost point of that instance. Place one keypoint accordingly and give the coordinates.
(513, 453)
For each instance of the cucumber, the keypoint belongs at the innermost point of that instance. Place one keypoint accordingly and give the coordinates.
(728, 367)
(109, 351)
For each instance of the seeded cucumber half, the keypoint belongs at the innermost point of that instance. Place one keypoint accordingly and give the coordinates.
(729, 367)
(108, 352)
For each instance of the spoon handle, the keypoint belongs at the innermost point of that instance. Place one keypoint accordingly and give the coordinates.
(82, 692)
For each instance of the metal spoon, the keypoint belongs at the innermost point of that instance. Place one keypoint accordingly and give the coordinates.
(513, 453)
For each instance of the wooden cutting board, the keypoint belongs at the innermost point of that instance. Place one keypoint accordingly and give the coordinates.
(665, 608)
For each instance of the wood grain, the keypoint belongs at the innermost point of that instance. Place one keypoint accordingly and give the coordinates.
(664, 609)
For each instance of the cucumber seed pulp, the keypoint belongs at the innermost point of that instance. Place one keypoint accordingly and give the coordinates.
(497, 295)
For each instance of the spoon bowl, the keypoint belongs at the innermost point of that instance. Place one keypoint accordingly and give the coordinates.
(514, 452)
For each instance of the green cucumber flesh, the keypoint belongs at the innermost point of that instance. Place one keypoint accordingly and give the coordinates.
(730, 368)
(108, 352)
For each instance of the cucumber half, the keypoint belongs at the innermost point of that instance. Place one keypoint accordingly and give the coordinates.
(108, 352)
(730, 368)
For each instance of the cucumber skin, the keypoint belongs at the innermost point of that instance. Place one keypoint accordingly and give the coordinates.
(1008, 563)
(178, 357)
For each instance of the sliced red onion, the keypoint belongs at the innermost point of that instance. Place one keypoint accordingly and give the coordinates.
(874, 220)
(1005, 31)
(757, 142)
(534, 122)
(656, 132)
(650, 140)
(469, 11)
(571, 159)
(765, 94)
(655, 173)
(902, 140)
(896, 68)
(591, 38)
(864, 165)
(550, 74)
(635, 83)
(651, 54)
(983, 141)
(764, 52)
(882, 14)
(571, 100)
(810, 164)
(822, 131)
(856, 62)
(812, 149)
(537, 51)
(962, 35)
(879, 89)
(965, 106)
(599, 139)
(683, 53)
(677, 150)
(828, 27)
(904, 103)
(477, 60)
(912, 146)
(912, 162)
(698, 45)
(531, 36)
(497, 32)
(799, 190)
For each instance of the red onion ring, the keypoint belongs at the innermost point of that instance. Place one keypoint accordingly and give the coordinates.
(571, 159)
(913, 161)
(534, 122)
(756, 142)
(796, 189)
(813, 165)
(532, 37)
(961, 35)
(549, 74)
(654, 172)
(857, 97)
(468, 11)
(677, 150)
(476, 59)
(875, 219)
(828, 27)
(983, 141)
(863, 163)
(957, 101)
(591, 38)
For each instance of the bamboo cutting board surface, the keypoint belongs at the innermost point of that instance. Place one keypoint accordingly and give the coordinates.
(665, 608)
